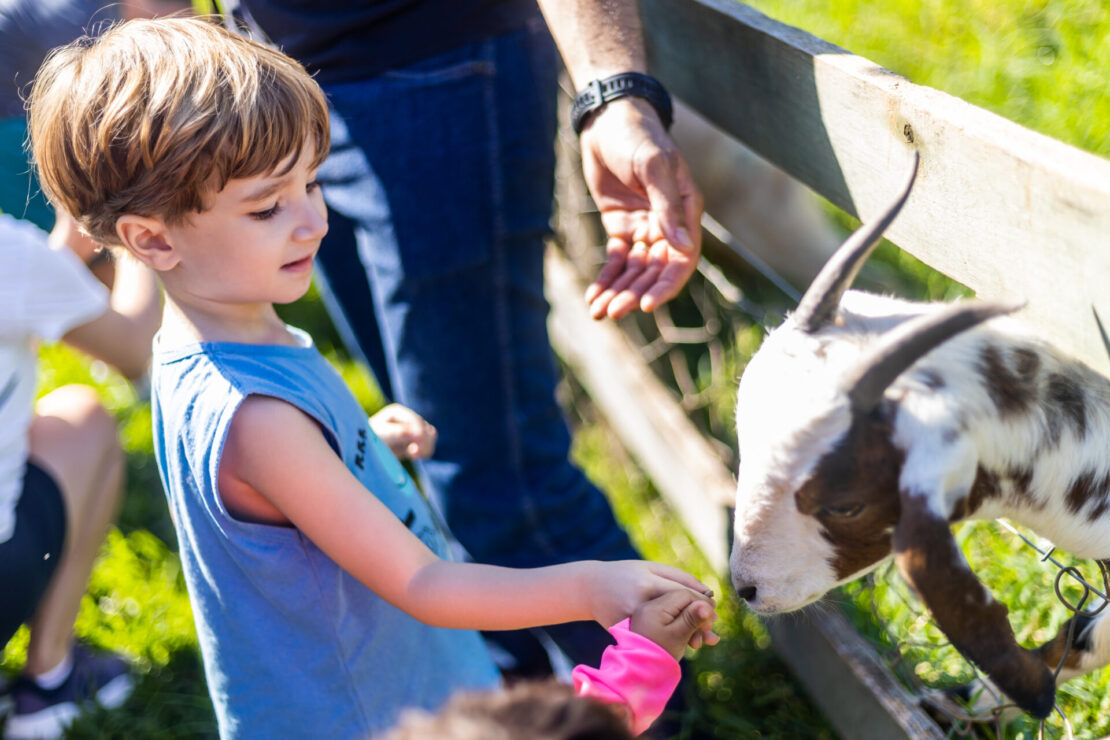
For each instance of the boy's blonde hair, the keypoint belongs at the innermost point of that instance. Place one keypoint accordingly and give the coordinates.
(151, 116)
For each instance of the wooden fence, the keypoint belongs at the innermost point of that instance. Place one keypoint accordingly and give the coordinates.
(1003, 210)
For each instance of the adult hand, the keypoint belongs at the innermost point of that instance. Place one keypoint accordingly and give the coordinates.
(650, 208)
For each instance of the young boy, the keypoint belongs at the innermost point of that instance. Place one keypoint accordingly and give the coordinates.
(314, 566)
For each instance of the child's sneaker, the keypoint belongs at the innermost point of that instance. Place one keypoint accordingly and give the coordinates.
(40, 713)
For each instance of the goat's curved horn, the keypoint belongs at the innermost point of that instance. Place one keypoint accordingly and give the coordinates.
(819, 304)
(906, 344)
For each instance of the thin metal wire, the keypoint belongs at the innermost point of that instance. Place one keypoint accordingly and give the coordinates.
(1047, 555)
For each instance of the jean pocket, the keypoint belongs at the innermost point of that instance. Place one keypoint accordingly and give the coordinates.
(439, 70)
(430, 137)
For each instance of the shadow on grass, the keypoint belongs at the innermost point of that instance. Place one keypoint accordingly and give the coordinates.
(144, 506)
(169, 702)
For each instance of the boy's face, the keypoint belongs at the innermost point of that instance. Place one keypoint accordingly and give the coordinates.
(254, 243)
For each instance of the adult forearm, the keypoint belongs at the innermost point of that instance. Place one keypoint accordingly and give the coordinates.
(597, 38)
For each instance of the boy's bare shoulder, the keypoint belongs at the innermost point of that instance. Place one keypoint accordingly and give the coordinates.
(266, 416)
(265, 434)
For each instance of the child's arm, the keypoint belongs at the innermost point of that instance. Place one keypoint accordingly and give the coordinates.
(279, 453)
(641, 671)
(675, 620)
(404, 432)
(121, 336)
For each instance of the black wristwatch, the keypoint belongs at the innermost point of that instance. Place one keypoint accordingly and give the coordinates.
(599, 92)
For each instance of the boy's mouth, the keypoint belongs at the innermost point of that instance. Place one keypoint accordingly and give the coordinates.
(298, 265)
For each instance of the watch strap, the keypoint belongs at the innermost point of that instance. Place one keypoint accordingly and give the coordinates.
(599, 92)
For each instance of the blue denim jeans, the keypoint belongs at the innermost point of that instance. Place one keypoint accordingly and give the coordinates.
(446, 169)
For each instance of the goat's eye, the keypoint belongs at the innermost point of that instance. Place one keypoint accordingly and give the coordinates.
(843, 511)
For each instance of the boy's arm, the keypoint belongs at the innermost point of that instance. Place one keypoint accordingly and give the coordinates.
(279, 452)
(121, 336)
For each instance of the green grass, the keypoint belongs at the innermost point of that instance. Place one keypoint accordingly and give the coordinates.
(1042, 63)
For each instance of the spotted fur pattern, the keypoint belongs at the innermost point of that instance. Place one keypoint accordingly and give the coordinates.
(991, 423)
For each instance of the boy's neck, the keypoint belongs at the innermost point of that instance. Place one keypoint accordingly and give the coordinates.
(255, 323)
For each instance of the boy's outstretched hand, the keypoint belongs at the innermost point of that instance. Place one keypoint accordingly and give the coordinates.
(404, 432)
(612, 590)
(676, 619)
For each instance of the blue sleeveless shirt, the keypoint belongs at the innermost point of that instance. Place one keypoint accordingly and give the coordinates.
(293, 645)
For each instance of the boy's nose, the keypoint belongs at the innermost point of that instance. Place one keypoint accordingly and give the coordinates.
(314, 223)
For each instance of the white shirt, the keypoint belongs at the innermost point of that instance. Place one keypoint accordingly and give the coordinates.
(44, 293)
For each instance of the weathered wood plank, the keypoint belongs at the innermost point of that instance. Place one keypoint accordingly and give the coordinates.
(847, 680)
(650, 424)
(1004, 210)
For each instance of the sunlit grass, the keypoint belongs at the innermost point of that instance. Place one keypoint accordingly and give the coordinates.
(1045, 65)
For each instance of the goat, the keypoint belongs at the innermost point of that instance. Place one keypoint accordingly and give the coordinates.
(868, 424)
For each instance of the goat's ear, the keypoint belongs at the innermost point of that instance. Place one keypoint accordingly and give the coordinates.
(967, 613)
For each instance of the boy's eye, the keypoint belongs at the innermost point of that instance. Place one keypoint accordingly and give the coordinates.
(267, 214)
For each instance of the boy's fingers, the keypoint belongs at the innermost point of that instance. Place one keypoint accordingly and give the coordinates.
(680, 576)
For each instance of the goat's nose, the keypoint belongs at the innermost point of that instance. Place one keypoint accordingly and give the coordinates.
(747, 593)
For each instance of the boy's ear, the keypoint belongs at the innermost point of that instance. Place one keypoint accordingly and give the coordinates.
(146, 238)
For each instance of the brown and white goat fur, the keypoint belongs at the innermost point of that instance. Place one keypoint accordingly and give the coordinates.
(868, 424)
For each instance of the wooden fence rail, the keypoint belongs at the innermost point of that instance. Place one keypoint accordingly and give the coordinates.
(1003, 210)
